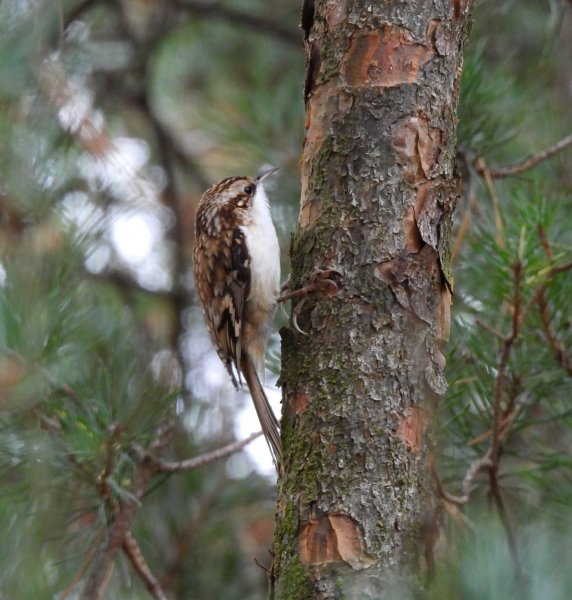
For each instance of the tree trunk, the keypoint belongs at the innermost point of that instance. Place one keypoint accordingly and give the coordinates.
(378, 190)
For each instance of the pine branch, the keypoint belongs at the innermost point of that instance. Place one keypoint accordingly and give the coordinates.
(160, 466)
(567, 266)
(502, 421)
(503, 363)
(527, 163)
(120, 527)
(552, 338)
(505, 520)
(133, 552)
(98, 580)
(490, 329)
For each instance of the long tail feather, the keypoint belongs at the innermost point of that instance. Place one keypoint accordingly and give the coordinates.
(268, 421)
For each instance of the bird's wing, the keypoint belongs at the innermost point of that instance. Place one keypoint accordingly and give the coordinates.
(227, 264)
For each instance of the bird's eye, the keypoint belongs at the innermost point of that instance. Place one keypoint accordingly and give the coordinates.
(248, 189)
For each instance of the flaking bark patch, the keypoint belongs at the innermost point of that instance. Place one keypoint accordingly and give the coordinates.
(386, 57)
(299, 402)
(413, 239)
(417, 146)
(412, 428)
(323, 102)
(411, 278)
(331, 539)
(444, 318)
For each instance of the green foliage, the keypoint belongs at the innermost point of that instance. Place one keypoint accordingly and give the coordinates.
(77, 393)
(87, 343)
(478, 566)
(487, 115)
(510, 341)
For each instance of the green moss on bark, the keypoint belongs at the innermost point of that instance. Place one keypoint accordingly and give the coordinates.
(297, 585)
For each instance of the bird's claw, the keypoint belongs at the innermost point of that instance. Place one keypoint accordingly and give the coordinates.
(324, 282)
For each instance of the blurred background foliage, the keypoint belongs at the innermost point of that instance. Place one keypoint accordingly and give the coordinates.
(115, 116)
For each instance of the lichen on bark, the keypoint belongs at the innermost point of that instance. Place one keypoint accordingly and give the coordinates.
(359, 391)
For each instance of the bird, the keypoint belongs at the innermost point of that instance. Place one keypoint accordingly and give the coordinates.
(236, 264)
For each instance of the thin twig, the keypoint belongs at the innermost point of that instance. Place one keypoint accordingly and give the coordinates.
(161, 466)
(527, 163)
(495, 446)
(474, 468)
(544, 242)
(482, 168)
(503, 362)
(83, 568)
(554, 342)
(560, 268)
(259, 564)
(508, 416)
(492, 330)
(502, 421)
(133, 551)
(442, 492)
(98, 580)
(163, 435)
(478, 465)
(508, 419)
(501, 508)
(102, 480)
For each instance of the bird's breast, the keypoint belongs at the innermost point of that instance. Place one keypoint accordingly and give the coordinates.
(262, 244)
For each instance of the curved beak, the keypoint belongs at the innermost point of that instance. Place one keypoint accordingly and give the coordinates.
(265, 173)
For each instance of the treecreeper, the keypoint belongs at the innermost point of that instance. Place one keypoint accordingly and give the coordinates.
(236, 262)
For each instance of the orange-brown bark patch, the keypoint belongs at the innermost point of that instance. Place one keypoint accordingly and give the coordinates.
(386, 57)
(417, 146)
(412, 427)
(300, 402)
(318, 116)
(413, 240)
(317, 542)
(444, 317)
(309, 213)
(334, 538)
(459, 6)
(413, 237)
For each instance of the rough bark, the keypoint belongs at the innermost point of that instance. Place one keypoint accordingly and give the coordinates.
(378, 190)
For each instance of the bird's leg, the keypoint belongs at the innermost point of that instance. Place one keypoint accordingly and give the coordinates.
(323, 282)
